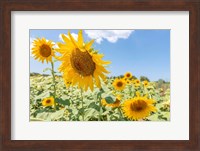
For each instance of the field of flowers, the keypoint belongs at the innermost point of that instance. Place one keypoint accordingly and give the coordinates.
(81, 90)
(69, 99)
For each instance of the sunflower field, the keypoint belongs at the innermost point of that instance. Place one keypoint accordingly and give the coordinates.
(83, 91)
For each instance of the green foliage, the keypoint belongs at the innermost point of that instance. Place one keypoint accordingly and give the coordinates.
(143, 78)
(69, 104)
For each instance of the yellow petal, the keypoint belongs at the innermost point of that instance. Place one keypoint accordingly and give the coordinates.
(89, 44)
(101, 68)
(86, 82)
(80, 38)
(65, 39)
(73, 40)
(97, 80)
(91, 83)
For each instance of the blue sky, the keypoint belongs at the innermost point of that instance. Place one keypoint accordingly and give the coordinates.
(142, 52)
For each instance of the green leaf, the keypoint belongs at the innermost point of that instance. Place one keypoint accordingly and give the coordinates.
(89, 113)
(63, 102)
(42, 95)
(94, 106)
(153, 117)
(166, 116)
(56, 115)
(81, 111)
(109, 99)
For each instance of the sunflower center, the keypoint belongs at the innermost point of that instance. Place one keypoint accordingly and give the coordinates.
(138, 105)
(128, 75)
(45, 50)
(119, 84)
(48, 101)
(82, 62)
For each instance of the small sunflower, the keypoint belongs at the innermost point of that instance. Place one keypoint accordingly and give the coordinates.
(112, 105)
(119, 84)
(137, 82)
(43, 50)
(124, 78)
(48, 101)
(81, 65)
(146, 83)
(138, 108)
(128, 75)
(128, 81)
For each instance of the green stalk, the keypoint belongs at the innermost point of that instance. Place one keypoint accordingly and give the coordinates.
(82, 103)
(99, 119)
(120, 113)
(54, 82)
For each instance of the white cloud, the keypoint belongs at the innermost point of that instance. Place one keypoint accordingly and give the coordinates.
(110, 35)
(75, 36)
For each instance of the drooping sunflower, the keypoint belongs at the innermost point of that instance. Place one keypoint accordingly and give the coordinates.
(48, 101)
(146, 83)
(112, 105)
(138, 107)
(119, 84)
(43, 50)
(128, 75)
(80, 65)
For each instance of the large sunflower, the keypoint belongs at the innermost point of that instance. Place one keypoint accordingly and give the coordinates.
(43, 50)
(119, 84)
(80, 64)
(138, 108)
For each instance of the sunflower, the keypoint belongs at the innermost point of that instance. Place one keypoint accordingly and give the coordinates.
(146, 83)
(48, 101)
(138, 107)
(43, 50)
(128, 75)
(80, 65)
(124, 78)
(119, 84)
(128, 81)
(112, 105)
(137, 82)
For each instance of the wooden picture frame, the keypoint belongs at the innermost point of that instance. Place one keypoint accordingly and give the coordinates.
(193, 6)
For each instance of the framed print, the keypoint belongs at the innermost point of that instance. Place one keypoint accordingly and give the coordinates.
(93, 75)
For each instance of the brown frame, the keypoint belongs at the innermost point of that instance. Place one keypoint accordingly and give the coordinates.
(193, 6)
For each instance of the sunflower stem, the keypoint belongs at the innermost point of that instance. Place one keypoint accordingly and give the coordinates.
(99, 119)
(54, 83)
(120, 113)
